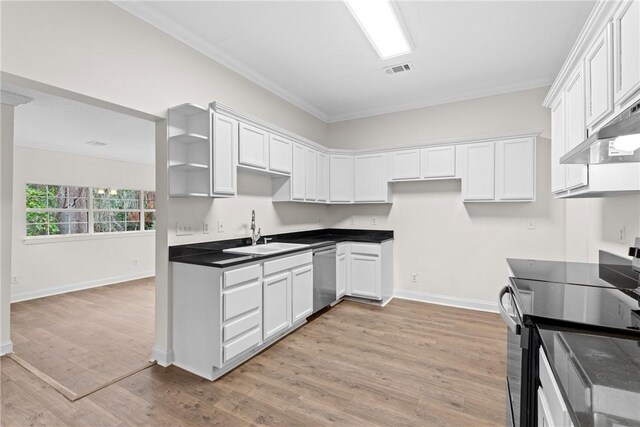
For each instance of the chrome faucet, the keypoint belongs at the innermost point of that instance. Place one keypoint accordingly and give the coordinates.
(254, 237)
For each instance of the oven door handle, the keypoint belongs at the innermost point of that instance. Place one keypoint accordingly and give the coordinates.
(508, 319)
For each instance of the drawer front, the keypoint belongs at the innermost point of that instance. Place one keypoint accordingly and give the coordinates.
(241, 300)
(241, 275)
(242, 325)
(242, 344)
(365, 249)
(276, 266)
(553, 397)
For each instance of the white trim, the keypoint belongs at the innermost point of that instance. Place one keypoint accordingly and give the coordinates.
(186, 36)
(470, 304)
(13, 99)
(6, 348)
(37, 240)
(25, 296)
(164, 357)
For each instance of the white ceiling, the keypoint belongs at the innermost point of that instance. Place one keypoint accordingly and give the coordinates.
(54, 123)
(314, 54)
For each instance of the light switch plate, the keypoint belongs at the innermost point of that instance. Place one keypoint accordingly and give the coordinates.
(184, 229)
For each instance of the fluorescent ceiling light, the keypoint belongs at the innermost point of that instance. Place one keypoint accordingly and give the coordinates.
(380, 23)
(629, 143)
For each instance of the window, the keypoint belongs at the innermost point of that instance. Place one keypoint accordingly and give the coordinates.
(57, 210)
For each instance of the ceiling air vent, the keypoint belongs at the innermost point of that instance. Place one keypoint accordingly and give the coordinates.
(400, 68)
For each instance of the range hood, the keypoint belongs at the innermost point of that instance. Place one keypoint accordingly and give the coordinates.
(617, 142)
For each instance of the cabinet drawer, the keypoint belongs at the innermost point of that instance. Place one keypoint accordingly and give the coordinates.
(241, 300)
(365, 249)
(553, 397)
(278, 265)
(240, 326)
(234, 348)
(241, 275)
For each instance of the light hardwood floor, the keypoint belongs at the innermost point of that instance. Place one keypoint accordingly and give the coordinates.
(86, 338)
(406, 364)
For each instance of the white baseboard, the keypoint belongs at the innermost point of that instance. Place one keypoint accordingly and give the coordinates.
(470, 304)
(164, 357)
(25, 296)
(6, 348)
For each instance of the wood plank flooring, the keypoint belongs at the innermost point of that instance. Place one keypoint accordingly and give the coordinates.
(87, 338)
(408, 364)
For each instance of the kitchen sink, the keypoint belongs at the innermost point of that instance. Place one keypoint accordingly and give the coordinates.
(266, 249)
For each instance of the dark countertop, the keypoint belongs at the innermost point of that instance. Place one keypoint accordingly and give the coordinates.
(599, 375)
(211, 253)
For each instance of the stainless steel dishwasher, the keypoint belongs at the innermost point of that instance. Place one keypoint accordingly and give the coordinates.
(324, 277)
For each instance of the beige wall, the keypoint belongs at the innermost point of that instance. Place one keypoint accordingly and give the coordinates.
(53, 266)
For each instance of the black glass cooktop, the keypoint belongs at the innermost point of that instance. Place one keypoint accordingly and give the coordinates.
(611, 271)
(592, 306)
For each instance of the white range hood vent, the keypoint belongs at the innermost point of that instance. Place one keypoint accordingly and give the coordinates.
(608, 145)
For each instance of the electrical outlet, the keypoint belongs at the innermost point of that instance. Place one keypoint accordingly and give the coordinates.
(220, 226)
(414, 277)
(184, 229)
(622, 234)
(373, 221)
(531, 225)
(14, 279)
(205, 228)
(135, 262)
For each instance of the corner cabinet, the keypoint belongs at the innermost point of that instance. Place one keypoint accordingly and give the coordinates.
(341, 178)
(365, 270)
(202, 152)
(501, 171)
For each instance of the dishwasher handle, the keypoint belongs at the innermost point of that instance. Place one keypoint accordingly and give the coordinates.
(508, 319)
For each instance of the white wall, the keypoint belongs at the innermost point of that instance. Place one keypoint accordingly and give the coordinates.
(52, 265)
(458, 250)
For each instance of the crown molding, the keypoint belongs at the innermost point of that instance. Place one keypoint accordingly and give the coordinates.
(152, 17)
(14, 99)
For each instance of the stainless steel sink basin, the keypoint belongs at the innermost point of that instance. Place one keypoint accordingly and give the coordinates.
(267, 249)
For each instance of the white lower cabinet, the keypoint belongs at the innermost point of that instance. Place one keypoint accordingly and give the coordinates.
(301, 293)
(342, 271)
(552, 410)
(365, 266)
(276, 306)
(365, 270)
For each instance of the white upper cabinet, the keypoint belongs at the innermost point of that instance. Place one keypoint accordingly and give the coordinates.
(254, 146)
(311, 175)
(340, 178)
(438, 162)
(280, 152)
(558, 171)
(575, 130)
(405, 164)
(515, 166)
(370, 178)
(626, 37)
(599, 79)
(224, 149)
(298, 173)
(323, 177)
(478, 174)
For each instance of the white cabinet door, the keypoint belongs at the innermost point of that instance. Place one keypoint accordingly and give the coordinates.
(558, 173)
(438, 162)
(369, 178)
(276, 307)
(302, 292)
(575, 130)
(405, 164)
(341, 273)
(323, 177)
(365, 271)
(598, 64)
(280, 152)
(626, 35)
(311, 175)
(224, 152)
(341, 178)
(254, 146)
(515, 169)
(478, 174)
(298, 173)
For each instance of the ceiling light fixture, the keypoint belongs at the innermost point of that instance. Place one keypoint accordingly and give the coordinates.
(380, 23)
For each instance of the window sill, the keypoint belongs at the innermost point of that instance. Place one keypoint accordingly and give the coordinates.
(37, 240)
